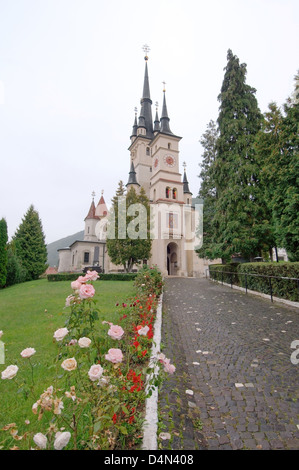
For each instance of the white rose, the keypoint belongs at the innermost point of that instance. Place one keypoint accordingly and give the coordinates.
(61, 440)
(84, 342)
(40, 440)
(60, 334)
(69, 364)
(143, 331)
(10, 372)
(28, 352)
(1, 333)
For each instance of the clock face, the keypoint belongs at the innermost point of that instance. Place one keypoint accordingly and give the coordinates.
(169, 160)
(156, 162)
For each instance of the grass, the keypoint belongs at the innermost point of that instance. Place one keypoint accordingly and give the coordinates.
(29, 315)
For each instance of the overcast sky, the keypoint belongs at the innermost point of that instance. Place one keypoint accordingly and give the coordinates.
(71, 73)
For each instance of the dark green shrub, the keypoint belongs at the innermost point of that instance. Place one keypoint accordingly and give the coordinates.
(103, 277)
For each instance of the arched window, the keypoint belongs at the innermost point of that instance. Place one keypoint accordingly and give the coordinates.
(174, 193)
(167, 192)
(169, 146)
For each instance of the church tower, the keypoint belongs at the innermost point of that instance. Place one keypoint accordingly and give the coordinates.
(154, 153)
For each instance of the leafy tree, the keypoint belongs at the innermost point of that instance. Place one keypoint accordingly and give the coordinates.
(240, 222)
(128, 240)
(277, 145)
(3, 252)
(30, 244)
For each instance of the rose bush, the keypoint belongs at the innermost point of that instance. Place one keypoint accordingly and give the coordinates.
(97, 399)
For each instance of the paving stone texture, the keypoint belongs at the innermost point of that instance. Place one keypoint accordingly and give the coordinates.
(235, 386)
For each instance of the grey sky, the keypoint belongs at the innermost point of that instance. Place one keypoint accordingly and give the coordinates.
(71, 73)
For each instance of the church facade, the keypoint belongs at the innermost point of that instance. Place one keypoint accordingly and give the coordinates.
(155, 166)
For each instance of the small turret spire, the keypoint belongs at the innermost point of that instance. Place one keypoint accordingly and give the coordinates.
(186, 189)
(164, 116)
(132, 176)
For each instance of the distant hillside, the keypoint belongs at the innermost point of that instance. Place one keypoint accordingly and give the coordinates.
(62, 243)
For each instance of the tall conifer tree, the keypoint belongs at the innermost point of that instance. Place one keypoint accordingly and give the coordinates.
(30, 244)
(240, 221)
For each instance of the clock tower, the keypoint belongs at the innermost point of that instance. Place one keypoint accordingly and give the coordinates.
(154, 165)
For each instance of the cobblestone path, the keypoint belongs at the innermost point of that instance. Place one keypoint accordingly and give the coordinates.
(235, 386)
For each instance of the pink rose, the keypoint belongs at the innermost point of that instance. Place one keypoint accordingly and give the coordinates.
(76, 285)
(116, 332)
(82, 279)
(86, 291)
(170, 368)
(114, 355)
(92, 275)
(95, 372)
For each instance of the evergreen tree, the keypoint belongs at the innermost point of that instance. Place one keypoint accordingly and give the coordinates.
(3, 252)
(207, 188)
(30, 244)
(240, 221)
(128, 241)
(16, 273)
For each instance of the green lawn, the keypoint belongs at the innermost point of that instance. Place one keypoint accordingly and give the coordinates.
(29, 315)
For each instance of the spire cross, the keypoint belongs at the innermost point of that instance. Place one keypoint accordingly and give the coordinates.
(156, 104)
(146, 49)
(93, 194)
(184, 165)
(135, 109)
(164, 83)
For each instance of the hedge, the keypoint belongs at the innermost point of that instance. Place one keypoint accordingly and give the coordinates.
(103, 277)
(275, 272)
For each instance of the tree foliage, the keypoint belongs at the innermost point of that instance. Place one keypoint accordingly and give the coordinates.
(30, 244)
(277, 145)
(239, 218)
(3, 252)
(129, 241)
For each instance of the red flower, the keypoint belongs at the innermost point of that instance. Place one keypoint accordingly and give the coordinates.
(114, 418)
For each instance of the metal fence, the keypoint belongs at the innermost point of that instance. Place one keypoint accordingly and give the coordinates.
(269, 287)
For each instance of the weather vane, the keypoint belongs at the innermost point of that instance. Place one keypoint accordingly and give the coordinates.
(157, 105)
(135, 109)
(93, 194)
(164, 83)
(184, 165)
(146, 49)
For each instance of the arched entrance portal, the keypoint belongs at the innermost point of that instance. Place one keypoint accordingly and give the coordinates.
(172, 259)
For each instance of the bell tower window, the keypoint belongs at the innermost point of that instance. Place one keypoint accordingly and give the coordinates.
(167, 192)
(174, 193)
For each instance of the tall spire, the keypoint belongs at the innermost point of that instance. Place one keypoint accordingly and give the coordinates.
(164, 116)
(145, 119)
(156, 121)
(186, 189)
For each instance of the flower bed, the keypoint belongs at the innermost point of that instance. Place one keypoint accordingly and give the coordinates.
(96, 400)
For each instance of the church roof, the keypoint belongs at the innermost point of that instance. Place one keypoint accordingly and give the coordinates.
(101, 209)
(92, 212)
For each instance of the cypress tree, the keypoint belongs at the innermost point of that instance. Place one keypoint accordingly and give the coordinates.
(240, 222)
(207, 189)
(3, 252)
(30, 244)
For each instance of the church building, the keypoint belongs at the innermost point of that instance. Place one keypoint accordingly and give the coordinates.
(155, 166)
